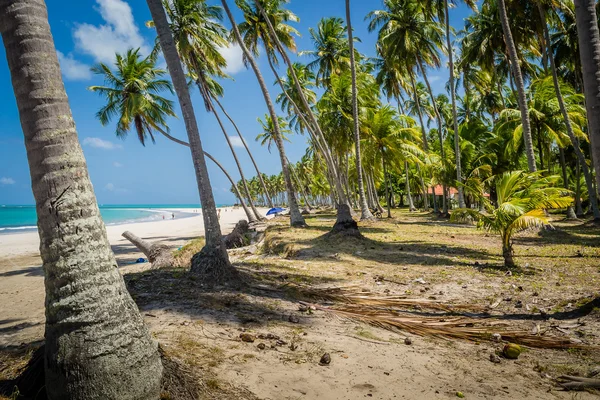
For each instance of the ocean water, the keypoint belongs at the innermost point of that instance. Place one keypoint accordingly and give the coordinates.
(23, 218)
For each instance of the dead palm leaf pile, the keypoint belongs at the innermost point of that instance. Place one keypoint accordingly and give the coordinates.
(425, 317)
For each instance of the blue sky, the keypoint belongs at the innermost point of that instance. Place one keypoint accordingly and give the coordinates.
(124, 172)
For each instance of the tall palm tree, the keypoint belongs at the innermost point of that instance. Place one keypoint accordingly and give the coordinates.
(365, 213)
(296, 219)
(589, 49)
(132, 95)
(199, 35)
(212, 263)
(518, 76)
(96, 344)
(566, 117)
(272, 39)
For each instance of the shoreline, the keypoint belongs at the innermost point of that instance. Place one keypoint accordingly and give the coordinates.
(21, 247)
(183, 213)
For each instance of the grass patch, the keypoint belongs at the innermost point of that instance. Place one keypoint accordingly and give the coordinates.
(183, 255)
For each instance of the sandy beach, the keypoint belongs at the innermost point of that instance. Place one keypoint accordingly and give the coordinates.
(22, 278)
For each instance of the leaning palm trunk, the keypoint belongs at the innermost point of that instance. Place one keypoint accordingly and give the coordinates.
(563, 166)
(260, 177)
(257, 215)
(97, 346)
(461, 195)
(518, 76)
(440, 133)
(296, 218)
(365, 213)
(212, 263)
(574, 140)
(387, 186)
(342, 199)
(589, 49)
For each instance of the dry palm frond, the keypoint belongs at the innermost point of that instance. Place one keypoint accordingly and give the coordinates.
(466, 328)
(354, 295)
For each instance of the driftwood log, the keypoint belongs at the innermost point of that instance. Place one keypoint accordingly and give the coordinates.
(578, 383)
(159, 255)
(239, 236)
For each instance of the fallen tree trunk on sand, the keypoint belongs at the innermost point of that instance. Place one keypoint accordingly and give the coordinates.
(578, 383)
(159, 255)
(238, 237)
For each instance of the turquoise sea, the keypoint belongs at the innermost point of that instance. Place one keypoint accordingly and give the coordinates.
(15, 218)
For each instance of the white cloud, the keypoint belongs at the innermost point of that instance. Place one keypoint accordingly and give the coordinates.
(233, 55)
(72, 69)
(119, 34)
(117, 164)
(112, 188)
(236, 141)
(7, 181)
(100, 143)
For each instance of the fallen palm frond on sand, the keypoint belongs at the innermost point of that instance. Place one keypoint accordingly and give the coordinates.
(397, 314)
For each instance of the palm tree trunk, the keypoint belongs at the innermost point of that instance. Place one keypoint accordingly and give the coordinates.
(507, 253)
(461, 195)
(516, 69)
(570, 211)
(578, 206)
(387, 186)
(300, 186)
(296, 218)
(419, 112)
(260, 177)
(96, 343)
(212, 263)
(313, 121)
(365, 213)
(257, 215)
(589, 49)
(423, 189)
(440, 132)
(374, 188)
(411, 206)
(563, 109)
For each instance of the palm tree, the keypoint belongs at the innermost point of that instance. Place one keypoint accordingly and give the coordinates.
(522, 98)
(198, 36)
(96, 344)
(332, 51)
(267, 136)
(365, 213)
(522, 199)
(390, 142)
(212, 263)
(589, 48)
(567, 119)
(296, 219)
(272, 40)
(132, 95)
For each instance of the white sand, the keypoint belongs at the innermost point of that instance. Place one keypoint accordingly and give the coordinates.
(174, 232)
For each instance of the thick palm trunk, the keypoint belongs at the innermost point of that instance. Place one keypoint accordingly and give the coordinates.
(296, 218)
(365, 213)
(258, 173)
(507, 254)
(335, 174)
(574, 140)
(518, 77)
(257, 215)
(97, 346)
(212, 263)
(440, 132)
(461, 195)
(589, 49)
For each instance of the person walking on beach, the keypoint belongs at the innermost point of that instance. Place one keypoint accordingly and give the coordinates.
(219, 214)
(173, 215)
